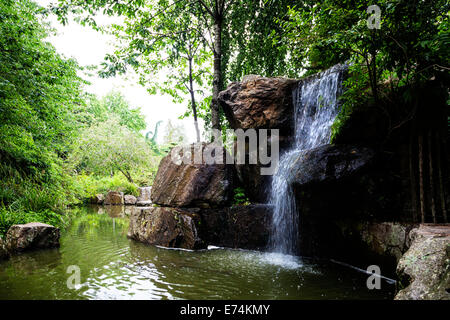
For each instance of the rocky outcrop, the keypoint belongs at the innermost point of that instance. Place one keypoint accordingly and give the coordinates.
(35, 235)
(245, 227)
(424, 270)
(3, 252)
(114, 198)
(97, 199)
(129, 200)
(259, 102)
(193, 185)
(167, 227)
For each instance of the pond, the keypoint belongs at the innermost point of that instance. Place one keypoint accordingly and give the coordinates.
(115, 267)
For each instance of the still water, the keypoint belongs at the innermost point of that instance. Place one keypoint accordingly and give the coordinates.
(114, 267)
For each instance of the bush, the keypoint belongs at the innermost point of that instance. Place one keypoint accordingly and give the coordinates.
(9, 217)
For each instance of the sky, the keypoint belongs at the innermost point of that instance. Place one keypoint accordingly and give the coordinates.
(89, 47)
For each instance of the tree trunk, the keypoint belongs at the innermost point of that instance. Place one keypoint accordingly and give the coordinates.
(127, 175)
(430, 159)
(194, 105)
(217, 79)
(422, 200)
(440, 179)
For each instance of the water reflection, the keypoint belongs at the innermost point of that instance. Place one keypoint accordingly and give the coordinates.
(114, 267)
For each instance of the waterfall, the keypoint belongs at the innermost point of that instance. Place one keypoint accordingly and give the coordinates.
(316, 107)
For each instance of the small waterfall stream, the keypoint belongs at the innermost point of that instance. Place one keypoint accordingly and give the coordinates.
(316, 107)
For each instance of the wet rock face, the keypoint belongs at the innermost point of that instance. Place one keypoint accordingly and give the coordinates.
(3, 251)
(424, 270)
(21, 237)
(245, 227)
(330, 163)
(114, 198)
(167, 227)
(193, 185)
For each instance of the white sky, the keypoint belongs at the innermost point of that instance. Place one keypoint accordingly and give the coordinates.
(89, 47)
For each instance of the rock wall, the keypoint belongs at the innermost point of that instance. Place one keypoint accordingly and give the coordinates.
(424, 270)
(193, 209)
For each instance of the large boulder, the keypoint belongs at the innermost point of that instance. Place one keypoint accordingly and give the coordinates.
(424, 270)
(193, 185)
(35, 235)
(258, 102)
(114, 198)
(129, 200)
(3, 252)
(167, 227)
(245, 227)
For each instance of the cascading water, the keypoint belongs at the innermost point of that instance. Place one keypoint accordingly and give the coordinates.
(316, 107)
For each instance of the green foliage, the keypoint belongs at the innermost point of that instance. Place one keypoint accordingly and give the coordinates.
(250, 47)
(109, 147)
(410, 48)
(239, 197)
(9, 218)
(40, 92)
(114, 104)
(87, 186)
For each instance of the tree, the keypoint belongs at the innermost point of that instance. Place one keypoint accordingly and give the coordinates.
(171, 45)
(115, 104)
(107, 147)
(220, 27)
(40, 94)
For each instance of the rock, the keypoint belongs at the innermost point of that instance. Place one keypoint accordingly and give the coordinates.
(3, 252)
(259, 102)
(193, 185)
(329, 162)
(144, 203)
(129, 200)
(245, 227)
(97, 199)
(114, 198)
(424, 270)
(167, 227)
(144, 194)
(33, 235)
(387, 238)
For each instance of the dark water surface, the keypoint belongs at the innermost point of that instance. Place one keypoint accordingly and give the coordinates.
(114, 267)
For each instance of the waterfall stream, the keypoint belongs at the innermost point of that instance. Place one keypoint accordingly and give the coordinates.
(316, 107)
